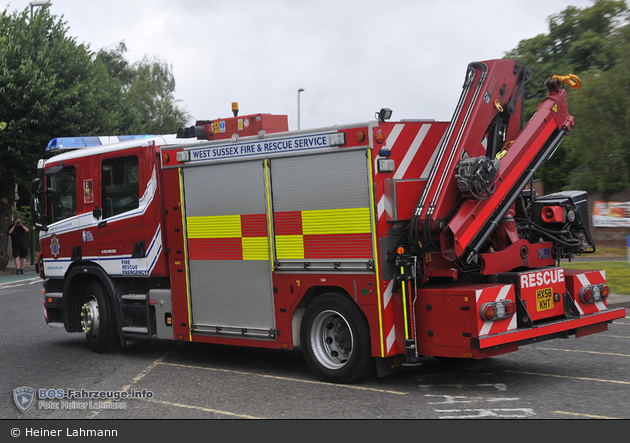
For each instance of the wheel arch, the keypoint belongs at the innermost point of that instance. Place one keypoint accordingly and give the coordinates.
(309, 296)
(331, 354)
(76, 279)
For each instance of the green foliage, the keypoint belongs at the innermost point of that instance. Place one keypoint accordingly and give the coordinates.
(582, 42)
(148, 85)
(51, 86)
(601, 139)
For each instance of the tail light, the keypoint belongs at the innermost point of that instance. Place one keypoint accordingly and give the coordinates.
(379, 136)
(594, 293)
(497, 310)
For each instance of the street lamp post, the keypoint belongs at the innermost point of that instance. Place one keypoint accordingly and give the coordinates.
(299, 90)
(37, 3)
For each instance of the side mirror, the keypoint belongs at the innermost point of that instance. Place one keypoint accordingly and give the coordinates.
(97, 213)
(37, 214)
(35, 185)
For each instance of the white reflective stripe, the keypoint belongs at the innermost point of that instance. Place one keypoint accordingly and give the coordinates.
(486, 328)
(380, 208)
(600, 304)
(135, 266)
(411, 152)
(429, 166)
(503, 292)
(583, 279)
(391, 338)
(577, 305)
(512, 324)
(387, 296)
(393, 136)
(502, 295)
(113, 265)
(391, 139)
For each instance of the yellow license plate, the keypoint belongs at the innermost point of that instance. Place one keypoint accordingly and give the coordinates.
(544, 299)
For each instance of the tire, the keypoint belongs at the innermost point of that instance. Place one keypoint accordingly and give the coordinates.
(335, 339)
(97, 319)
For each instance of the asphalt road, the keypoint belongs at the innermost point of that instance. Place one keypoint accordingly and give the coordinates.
(580, 378)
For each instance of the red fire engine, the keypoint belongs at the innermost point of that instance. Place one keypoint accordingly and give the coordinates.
(366, 246)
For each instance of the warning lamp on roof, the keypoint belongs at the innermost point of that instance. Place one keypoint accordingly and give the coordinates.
(235, 108)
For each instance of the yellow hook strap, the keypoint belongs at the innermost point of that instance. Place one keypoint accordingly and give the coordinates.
(504, 150)
(571, 80)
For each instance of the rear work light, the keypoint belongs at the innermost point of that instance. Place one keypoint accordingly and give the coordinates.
(497, 310)
(594, 293)
(337, 139)
(183, 156)
(386, 165)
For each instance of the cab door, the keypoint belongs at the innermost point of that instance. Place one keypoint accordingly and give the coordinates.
(124, 192)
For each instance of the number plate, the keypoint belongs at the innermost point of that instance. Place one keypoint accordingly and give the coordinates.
(544, 299)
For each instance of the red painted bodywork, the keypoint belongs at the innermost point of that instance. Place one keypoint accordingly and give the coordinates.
(445, 318)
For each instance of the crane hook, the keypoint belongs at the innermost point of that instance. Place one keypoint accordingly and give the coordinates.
(572, 80)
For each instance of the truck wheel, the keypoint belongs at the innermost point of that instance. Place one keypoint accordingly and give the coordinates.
(97, 319)
(336, 340)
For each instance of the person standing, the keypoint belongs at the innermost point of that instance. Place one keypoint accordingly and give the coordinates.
(19, 243)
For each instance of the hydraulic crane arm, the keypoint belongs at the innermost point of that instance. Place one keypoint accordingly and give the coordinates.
(476, 219)
(488, 112)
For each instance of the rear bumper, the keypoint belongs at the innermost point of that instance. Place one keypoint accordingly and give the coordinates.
(568, 326)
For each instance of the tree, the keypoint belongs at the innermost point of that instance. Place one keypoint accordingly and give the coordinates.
(51, 86)
(148, 85)
(600, 146)
(579, 41)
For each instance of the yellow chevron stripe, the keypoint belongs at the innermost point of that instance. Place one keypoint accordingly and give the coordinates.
(289, 247)
(216, 226)
(255, 248)
(336, 221)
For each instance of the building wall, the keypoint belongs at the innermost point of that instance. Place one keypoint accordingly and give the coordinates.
(614, 237)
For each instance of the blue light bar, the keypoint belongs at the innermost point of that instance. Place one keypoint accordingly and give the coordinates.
(63, 143)
(124, 138)
(72, 143)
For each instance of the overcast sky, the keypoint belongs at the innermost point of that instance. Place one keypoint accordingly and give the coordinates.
(352, 57)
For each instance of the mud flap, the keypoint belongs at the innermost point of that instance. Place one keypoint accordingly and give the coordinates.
(391, 365)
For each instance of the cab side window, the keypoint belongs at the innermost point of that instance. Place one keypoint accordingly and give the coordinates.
(61, 195)
(121, 185)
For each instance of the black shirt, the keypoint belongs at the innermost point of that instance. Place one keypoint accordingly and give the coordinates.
(18, 237)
